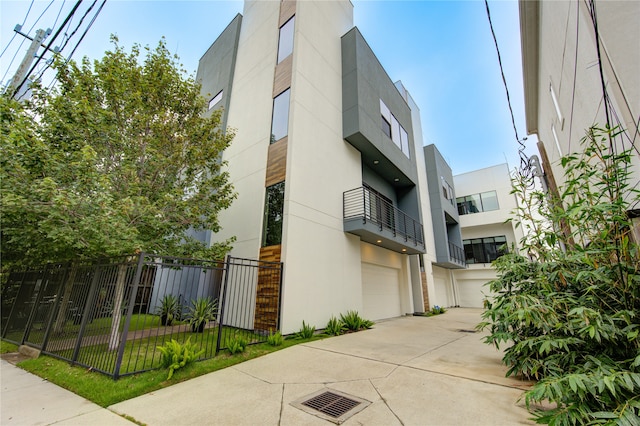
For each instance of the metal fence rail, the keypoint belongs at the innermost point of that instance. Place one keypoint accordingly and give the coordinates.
(366, 204)
(106, 314)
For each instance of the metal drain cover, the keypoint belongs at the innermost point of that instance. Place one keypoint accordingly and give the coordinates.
(331, 405)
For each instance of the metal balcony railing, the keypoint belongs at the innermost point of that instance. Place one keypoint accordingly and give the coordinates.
(457, 253)
(364, 203)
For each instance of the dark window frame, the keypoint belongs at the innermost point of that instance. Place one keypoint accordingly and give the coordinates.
(273, 215)
(485, 249)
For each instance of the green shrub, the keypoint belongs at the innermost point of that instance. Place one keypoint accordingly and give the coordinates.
(275, 339)
(437, 310)
(353, 322)
(335, 327)
(237, 344)
(176, 355)
(568, 312)
(306, 332)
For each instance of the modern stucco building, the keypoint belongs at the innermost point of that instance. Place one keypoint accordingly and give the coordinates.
(484, 202)
(327, 162)
(573, 52)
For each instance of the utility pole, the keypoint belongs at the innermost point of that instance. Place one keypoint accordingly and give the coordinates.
(16, 82)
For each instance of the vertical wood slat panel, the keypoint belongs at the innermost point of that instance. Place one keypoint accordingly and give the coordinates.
(271, 253)
(282, 76)
(287, 10)
(276, 162)
(425, 291)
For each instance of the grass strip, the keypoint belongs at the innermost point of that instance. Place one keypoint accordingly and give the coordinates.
(104, 391)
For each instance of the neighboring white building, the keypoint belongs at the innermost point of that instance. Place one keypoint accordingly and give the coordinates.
(563, 81)
(327, 162)
(484, 202)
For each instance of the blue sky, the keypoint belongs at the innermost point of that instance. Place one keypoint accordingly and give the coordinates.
(442, 51)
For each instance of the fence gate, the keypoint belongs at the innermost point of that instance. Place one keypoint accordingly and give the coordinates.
(107, 314)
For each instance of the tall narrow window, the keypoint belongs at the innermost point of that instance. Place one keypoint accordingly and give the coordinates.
(273, 212)
(280, 118)
(285, 43)
(394, 130)
(217, 98)
(386, 119)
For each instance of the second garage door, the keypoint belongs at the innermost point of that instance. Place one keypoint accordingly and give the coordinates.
(380, 292)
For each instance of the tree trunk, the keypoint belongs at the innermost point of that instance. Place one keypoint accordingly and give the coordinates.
(68, 288)
(114, 338)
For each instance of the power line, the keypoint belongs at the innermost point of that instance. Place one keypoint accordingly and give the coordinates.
(67, 19)
(524, 160)
(15, 33)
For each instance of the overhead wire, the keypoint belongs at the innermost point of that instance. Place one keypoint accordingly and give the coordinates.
(51, 41)
(15, 33)
(95, 16)
(525, 166)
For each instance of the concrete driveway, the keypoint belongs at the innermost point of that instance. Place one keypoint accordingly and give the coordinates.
(406, 371)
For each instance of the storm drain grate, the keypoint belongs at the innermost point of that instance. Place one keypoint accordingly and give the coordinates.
(331, 405)
(462, 330)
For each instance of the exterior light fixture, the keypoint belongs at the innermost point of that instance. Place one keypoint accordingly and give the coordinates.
(397, 179)
(379, 241)
(375, 161)
(404, 250)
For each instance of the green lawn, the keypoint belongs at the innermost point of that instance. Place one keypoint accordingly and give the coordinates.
(105, 391)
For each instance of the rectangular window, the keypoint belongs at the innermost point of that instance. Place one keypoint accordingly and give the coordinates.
(285, 42)
(484, 250)
(386, 119)
(217, 98)
(404, 142)
(280, 118)
(476, 203)
(273, 212)
(394, 130)
(489, 201)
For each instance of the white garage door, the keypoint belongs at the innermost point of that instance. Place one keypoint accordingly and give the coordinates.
(380, 292)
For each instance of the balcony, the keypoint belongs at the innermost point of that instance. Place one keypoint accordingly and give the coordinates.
(456, 254)
(376, 221)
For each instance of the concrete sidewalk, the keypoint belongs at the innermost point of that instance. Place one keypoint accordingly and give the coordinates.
(29, 400)
(412, 371)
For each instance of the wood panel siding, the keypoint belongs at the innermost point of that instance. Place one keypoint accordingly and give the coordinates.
(268, 292)
(276, 162)
(270, 253)
(425, 291)
(282, 77)
(287, 10)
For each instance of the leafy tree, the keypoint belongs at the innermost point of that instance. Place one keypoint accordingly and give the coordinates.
(118, 158)
(569, 313)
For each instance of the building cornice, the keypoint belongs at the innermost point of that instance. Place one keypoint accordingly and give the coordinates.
(530, 45)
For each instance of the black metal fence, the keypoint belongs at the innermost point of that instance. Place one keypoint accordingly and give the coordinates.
(107, 315)
(370, 206)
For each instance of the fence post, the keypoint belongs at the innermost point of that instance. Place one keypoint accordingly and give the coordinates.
(127, 321)
(227, 270)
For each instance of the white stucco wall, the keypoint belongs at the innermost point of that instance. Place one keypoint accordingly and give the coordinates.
(575, 76)
(322, 274)
(250, 115)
